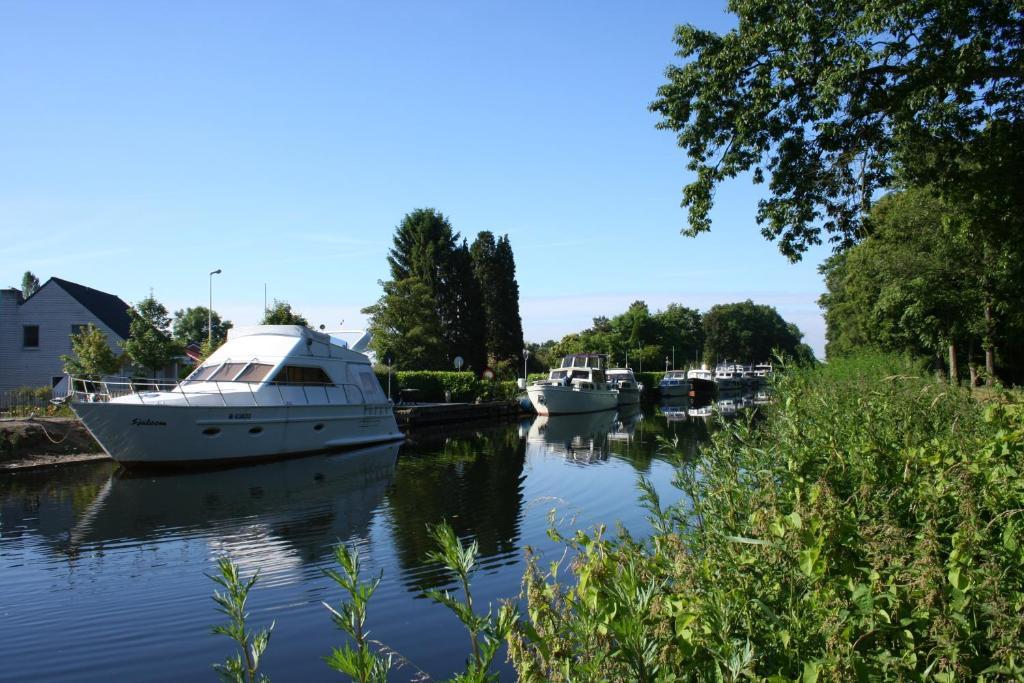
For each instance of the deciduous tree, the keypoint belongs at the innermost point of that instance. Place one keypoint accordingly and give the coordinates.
(281, 313)
(191, 326)
(29, 284)
(405, 326)
(93, 358)
(149, 344)
(835, 101)
(748, 332)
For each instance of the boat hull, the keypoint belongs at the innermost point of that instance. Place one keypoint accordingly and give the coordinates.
(629, 397)
(560, 400)
(674, 390)
(135, 434)
(702, 385)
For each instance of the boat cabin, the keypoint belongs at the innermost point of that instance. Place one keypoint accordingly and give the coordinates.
(582, 370)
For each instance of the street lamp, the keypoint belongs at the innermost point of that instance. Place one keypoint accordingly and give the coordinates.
(209, 311)
(526, 356)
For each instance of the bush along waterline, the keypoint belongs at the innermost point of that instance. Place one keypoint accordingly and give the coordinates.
(870, 527)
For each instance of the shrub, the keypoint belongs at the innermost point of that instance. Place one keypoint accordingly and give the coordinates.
(871, 528)
(431, 385)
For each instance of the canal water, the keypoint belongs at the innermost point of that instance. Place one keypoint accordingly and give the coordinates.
(104, 573)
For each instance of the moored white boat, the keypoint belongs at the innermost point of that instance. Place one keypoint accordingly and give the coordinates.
(674, 383)
(728, 378)
(701, 379)
(625, 382)
(269, 391)
(578, 385)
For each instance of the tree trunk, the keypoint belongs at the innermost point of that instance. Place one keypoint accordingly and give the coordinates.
(954, 367)
(990, 351)
(972, 369)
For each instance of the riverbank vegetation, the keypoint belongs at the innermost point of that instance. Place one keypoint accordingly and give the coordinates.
(871, 528)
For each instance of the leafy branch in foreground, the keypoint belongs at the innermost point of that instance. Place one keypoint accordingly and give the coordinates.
(231, 603)
(359, 662)
(486, 631)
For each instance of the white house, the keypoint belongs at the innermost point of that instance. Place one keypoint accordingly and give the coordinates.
(36, 331)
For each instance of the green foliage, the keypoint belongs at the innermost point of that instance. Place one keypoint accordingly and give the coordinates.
(29, 284)
(360, 662)
(748, 332)
(869, 529)
(916, 286)
(838, 100)
(244, 666)
(445, 299)
(93, 358)
(192, 325)
(431, 385)
(281, 313)
(405, 326)
(494, 270)
(486, 631)
(149, 344)
(646, 338)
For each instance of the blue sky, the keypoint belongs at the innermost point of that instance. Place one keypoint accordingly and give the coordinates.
(146, 144)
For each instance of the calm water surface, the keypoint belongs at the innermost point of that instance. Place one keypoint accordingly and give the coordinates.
(103, 573)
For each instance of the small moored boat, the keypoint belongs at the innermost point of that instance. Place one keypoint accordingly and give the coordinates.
(674, 383)
(624, 380)
(578, 385)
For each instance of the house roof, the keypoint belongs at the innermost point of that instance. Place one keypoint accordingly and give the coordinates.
(110, 309)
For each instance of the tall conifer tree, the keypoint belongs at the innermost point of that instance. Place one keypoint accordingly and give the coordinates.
(495, 271)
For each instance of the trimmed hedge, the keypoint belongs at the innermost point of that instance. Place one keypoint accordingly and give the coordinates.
(430, 386)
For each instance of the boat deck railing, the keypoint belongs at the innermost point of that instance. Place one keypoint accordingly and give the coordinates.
(198, 393)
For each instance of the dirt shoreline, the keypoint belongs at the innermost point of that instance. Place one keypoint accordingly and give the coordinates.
(44, 442)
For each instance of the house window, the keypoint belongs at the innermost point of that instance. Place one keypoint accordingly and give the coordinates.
(30, 337)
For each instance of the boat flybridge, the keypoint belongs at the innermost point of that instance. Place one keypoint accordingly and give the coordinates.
(578, 385)
(269, 391)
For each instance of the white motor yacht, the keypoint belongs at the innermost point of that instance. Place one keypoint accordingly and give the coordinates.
(269, 391)
(674, 383)
(728, 378)
(624, 380)
(577, 386)
(701, 379)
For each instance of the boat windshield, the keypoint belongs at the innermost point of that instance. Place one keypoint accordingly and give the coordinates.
(231, 372)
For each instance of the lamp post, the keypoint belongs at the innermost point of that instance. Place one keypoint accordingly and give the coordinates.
(526, 356)
(209, 311)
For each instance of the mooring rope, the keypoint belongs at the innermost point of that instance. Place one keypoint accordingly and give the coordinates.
(31, 418)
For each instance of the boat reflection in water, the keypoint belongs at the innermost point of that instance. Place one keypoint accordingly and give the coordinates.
(581, 439)
(278, 514)
(625, 423)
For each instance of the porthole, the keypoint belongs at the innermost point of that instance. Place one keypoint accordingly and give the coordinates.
(211, 431)
(256, 430)
(318, 426)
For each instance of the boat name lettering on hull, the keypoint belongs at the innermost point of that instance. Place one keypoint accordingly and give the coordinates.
(148, 423)
(239, 416)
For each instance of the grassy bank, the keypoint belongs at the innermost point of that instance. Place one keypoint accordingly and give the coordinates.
(871, 528)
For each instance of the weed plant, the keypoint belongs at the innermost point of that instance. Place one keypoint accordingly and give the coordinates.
(870, 528)
(361, 662)
(244, 666)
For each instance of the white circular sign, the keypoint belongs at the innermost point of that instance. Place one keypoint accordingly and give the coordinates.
(458, 362)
